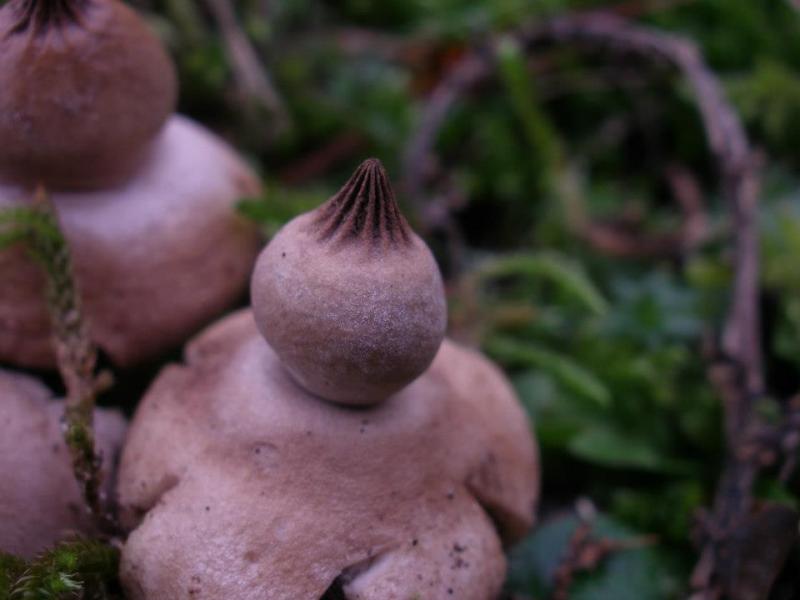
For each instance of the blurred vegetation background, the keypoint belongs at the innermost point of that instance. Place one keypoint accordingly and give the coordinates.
(604, 340)
(586, 245)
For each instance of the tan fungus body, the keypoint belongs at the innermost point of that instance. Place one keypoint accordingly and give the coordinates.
(40, 501)
(239, 482)
(155, 258)
(241, 485)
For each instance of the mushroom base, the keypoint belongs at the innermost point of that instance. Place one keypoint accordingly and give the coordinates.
(239, 484)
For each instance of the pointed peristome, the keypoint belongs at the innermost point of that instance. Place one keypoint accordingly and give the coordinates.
(349, 297)
(39, 15)
(364, 211)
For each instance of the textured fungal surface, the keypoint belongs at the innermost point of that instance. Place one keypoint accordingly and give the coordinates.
(238, 483)
(85, 87)
(38, 16)
(156, 258)
(349, 297)
(363, 213)
(40, 501)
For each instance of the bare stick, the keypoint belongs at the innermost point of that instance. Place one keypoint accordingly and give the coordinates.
(418, 159)
(586, 551)
(251, 76)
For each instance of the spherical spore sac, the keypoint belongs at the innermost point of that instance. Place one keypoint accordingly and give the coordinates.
(349, 297)
(85, 87)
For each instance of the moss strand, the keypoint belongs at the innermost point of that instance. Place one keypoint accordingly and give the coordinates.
(37, 227)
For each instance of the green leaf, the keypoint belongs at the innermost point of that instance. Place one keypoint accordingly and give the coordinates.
(631, 574)
(654, 309)
(279, 205)
(553, 267)
(11, 237)
(775, 491)
(11, 568)
(543, 144)
(84, 569)
(610, 448)
(562, 368)
(556, 416)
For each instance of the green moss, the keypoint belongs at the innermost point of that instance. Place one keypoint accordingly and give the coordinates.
(80, 569)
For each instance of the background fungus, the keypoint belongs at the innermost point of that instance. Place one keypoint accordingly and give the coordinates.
(85, 87)
(146, 200)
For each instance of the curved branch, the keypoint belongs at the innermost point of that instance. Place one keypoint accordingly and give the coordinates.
(727, 141)
(737, 368)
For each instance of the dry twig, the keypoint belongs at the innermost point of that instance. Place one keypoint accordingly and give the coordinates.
(585, 551)
(252, 78)
(341, 147)
(625, 237)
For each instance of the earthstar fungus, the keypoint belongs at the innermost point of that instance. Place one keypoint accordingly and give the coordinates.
(239, 482)
(146, 199)
(40, 501)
